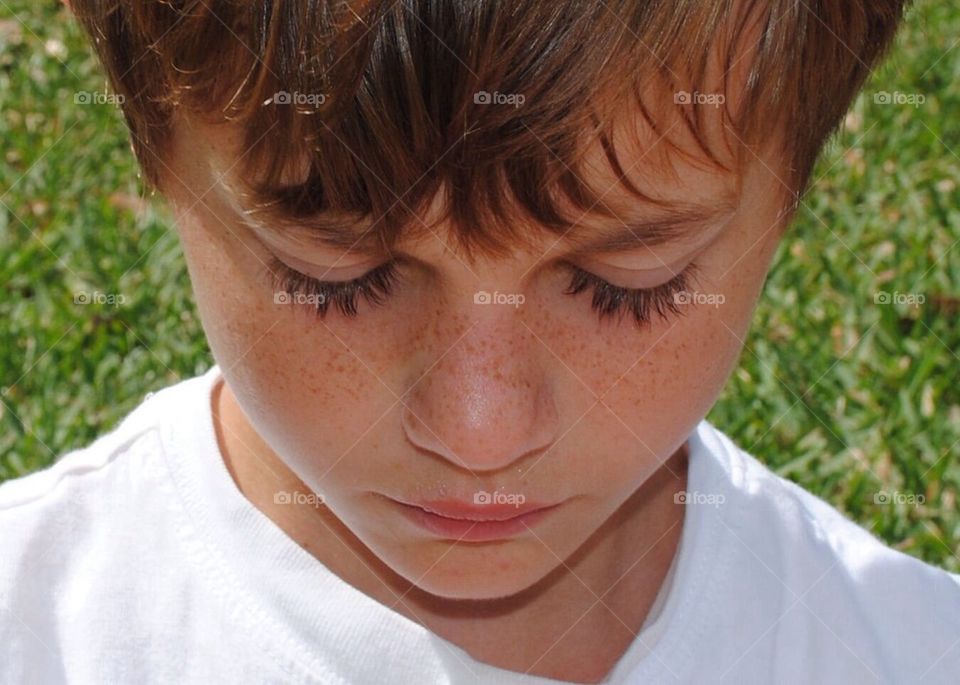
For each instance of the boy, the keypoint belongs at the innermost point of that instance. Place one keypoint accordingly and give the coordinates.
(472, 273)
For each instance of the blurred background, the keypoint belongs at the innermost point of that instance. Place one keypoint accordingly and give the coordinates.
(849, 383)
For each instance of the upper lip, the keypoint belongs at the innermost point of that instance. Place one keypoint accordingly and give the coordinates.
(464, 511)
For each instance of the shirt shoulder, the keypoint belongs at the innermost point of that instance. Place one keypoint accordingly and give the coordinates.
(136, 437)
(819, 527)
(83, 545)
(53, 521)
(76, 480)
(806, 575)
(103, 577)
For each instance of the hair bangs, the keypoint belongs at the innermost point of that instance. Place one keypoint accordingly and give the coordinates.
(372, 109)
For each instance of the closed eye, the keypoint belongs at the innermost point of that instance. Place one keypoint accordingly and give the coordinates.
(378, 284)
(642, 303)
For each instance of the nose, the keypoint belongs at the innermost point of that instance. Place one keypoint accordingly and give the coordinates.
(486, 403)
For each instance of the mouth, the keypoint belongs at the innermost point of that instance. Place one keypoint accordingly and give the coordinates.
(474, 522)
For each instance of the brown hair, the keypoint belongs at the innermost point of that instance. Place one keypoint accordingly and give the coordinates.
(386, 101)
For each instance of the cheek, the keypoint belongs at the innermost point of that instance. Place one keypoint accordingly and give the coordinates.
(314, 397)
(294, 377)
(657, 384)
(686, 369)
(646, 398)
(320, 393)
(663, 394)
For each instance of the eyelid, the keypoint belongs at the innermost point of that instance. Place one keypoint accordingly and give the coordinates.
(637, 279)
(323, 272)
(662, 269)
(688, 248)
(340, 268)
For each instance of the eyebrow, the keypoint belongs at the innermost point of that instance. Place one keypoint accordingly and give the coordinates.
(676, 224)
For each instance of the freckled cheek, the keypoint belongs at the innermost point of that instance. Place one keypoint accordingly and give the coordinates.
(315, 396)
(309, 389)
(656, 398)
(676, 381)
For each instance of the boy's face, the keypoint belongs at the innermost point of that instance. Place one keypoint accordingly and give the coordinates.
(432, 395)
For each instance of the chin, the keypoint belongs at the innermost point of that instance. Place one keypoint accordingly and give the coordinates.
(479, 572)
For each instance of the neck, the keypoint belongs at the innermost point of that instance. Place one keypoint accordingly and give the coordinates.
(574, 624)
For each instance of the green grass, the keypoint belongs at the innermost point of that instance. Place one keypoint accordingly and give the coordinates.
(71, 221)
(843, 395)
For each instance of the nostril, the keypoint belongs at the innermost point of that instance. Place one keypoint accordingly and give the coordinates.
(480, 441)
(484, 404)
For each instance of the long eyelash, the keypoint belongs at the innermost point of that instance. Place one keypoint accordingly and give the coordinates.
(610, 300)
(374, 286)
(377, 285)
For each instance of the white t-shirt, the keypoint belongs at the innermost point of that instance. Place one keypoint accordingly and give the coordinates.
(137, 559)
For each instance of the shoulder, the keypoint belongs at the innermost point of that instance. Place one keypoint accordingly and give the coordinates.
(814, 523)
(823, 578)
(87, 489)
(776, 511)
(78, 480)
(85, 531)
(79, 473)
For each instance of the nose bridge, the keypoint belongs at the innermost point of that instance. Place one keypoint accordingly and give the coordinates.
(487, 401)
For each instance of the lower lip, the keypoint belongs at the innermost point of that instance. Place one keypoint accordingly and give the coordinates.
(473, 531)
